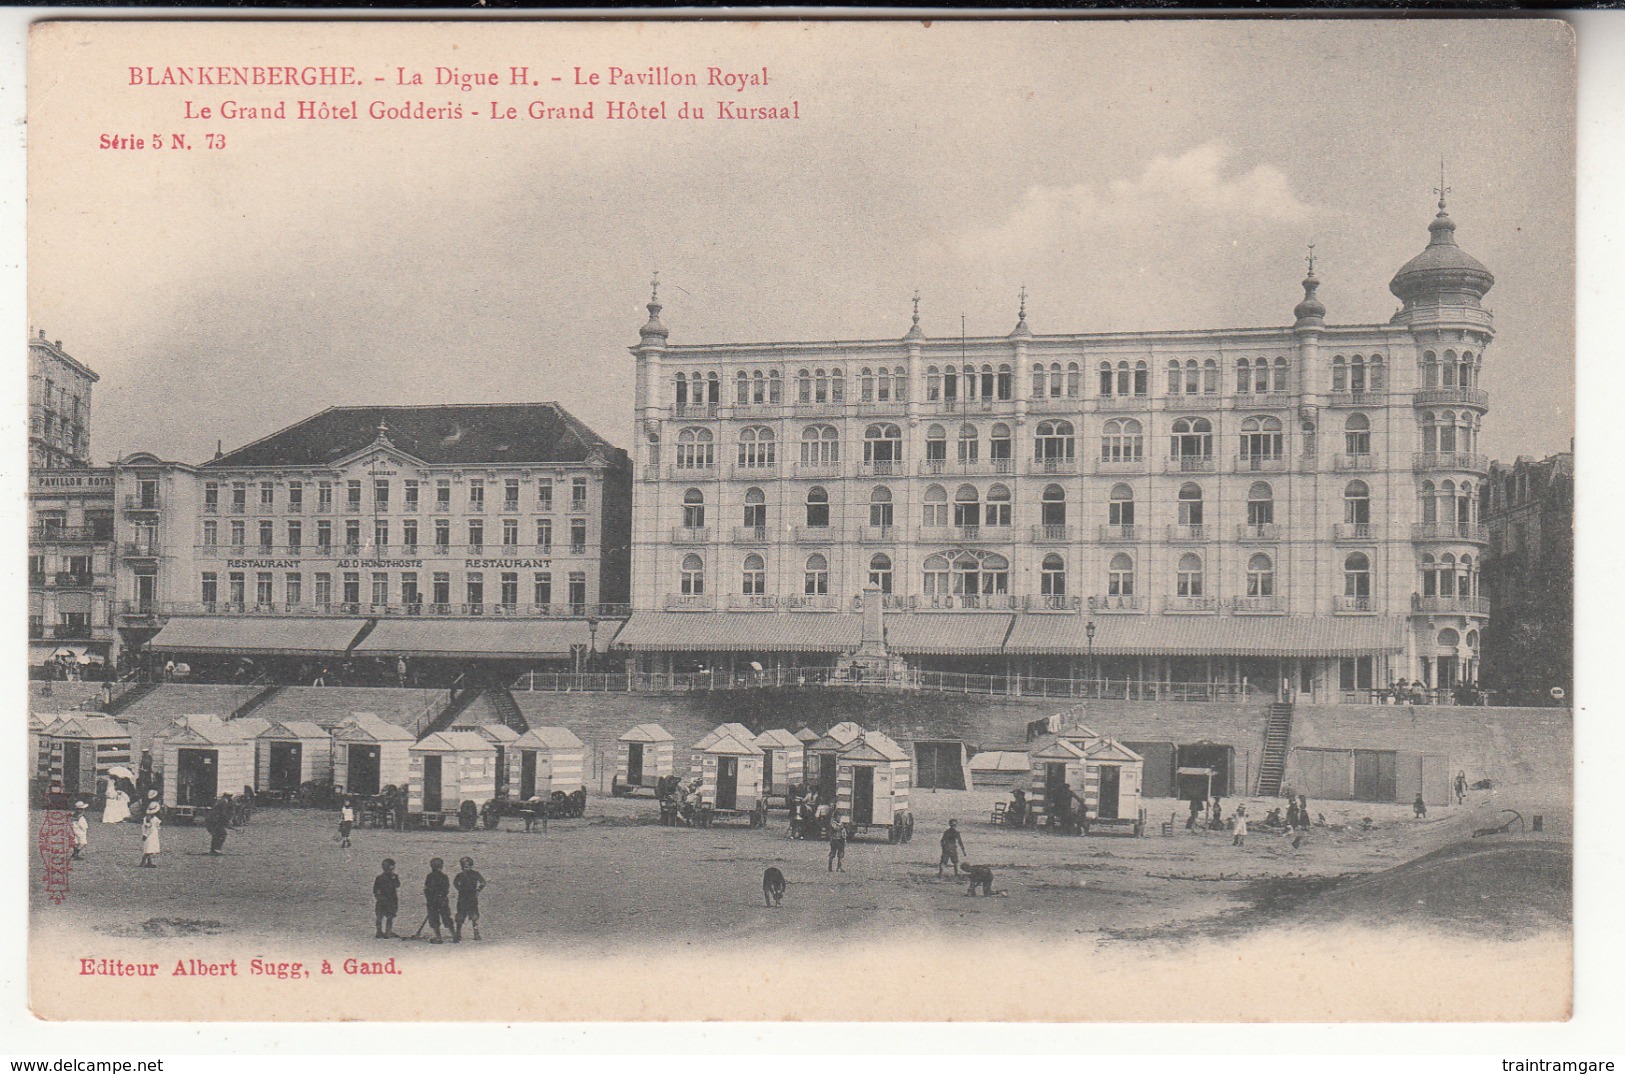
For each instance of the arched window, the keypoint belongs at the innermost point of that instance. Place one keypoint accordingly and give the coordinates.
(817, 507)
(758, 390)
(1430, 432)
(1261, 439)
(1120, 508)
(1280, 372)
(1430, 370)
(1430, 503)
(682, 390)
(978, 576)
(933, 384)
(1467, 373)
(694, 509)
(1448, 370)
(1188, 582)
(693, 576)
(754, 577)
(1053, 510)
(1466, 505)
(1210, 377)
(1142, 376)
(1038, 381)
(1057, 382)
(1192, 439)
(1430, 575)
(820, 446)
(1244, 376)
(936, 585)
(756, 512)
(1357, 374)
(880, 571)
(1006, 382)
(1052, 577)
(880, 507)
(883, 386)
(1193, 377)
(815, 579)
(1447, 575)
(1074, 380)
(1467, 581)
(998, 506)
(998, 448)
(866, 384)
(936, 449)
(1260, 506)
(837, 386)
(1106, 378)
(935, 507)
(1447, 432)
(1357, 435)
(1173, 378)
(820, 386)
(950, 384)
(1120, 576)
(1373, 372)
(899, 384)
(775, 393)
(695, 450)
(804, 389)
(1357, 506)
(1340, 374)
(1260, 576)
(742, 388)
(967, 507)
(1054, 442)
(989, 383)
(1190, 505)
(968, 444)
(756, 446)
(1261, 376)
(1357, 578)
(713, 388)
(882, 446)
(1122, 441)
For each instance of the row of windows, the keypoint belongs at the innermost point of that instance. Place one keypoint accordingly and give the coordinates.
(1121, 440)
(384, 588)
(382, 492)
(1451, 370)
(441, 530)
(975, 573)
(969, 508)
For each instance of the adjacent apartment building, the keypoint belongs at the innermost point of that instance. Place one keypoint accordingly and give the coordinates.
(1292, 506)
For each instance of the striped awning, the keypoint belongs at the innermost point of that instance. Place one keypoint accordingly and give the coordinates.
(932, 633)
(1141, 635)
(257, 636)
(740, 632)
(492, 639)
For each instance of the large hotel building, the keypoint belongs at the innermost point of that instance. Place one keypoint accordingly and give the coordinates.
(1292, 504)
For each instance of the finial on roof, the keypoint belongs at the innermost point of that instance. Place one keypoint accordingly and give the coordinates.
(916, 308)
(653, 332)
(654, 287)
(218, 453)
(1021, 328)
(1022, 314)
(1441, 189)
(383, 429)
(914, 330)
(1310, 313)
(1311, 259)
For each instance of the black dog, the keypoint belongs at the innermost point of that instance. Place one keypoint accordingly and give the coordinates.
(981, 876)
(773, 884)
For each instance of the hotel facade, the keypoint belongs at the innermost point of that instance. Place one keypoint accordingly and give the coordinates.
(1291, 505)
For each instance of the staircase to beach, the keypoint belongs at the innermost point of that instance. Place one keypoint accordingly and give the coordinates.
(1277, 741)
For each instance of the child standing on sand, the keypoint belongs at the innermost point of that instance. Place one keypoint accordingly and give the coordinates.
(386, 899)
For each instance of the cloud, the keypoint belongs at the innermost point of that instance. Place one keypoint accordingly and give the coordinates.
(1201, 185)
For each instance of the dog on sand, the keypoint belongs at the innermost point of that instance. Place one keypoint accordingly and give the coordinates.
(773, 885)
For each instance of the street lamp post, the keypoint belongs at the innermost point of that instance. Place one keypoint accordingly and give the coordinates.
(592, 636)
(1089, 632)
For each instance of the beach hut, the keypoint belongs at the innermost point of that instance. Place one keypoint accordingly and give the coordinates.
(731, 773)
(39, 745)
(1112, 781)
(807, 736)
(501, 737)
(821, 763)
(1002, 769)
(872, 784)
(645, 757)
(782, 762)
(696, 752)
(544, 760)
(82, 748)
(289, 754)
(369, 754)
(201, 758)
(449, 768)
(1054, 762)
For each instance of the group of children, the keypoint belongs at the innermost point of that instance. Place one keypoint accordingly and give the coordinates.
(152, 821)
(437, 888)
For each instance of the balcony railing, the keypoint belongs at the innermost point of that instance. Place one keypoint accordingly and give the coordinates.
(557, 610)
(239, 508)
(1055, 466)
(690, 534)
(1257, 605)
(756, 410)
(813, 410)
(1119, 534)
(750, 535)
(954, 467)
(877, 534)
(141, 503)
(745, 471)
(1120, 466)
(965, 533)
(353, 507)
(694, 410)
(883, 468)
(817, 469)
(1354, 605)
(752, 603)
(1475, 397)
(1348, 398)
(1450, 531)
(36, 579)
(1123, 402)
(814, 534)
(817, 602)
(1260, 464)
(1453, 605)
(1258, 531)
(690, 602)
(1188, 533)
(1354, 531)
(1189, 464)
(1052, 534)
(68, 535)
(72, 580)
(1348, 463)
(66, 632)
(1051, 602)
(691, 469)
(1119, 603)
(1450, 460)
(1190, 605)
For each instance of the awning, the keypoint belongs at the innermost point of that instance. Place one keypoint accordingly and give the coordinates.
(1169, 635)
(946, 632)
(495, 639)
(741, 632)
(279, 636)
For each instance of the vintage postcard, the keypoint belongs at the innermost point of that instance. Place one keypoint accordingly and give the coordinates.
(847, 521)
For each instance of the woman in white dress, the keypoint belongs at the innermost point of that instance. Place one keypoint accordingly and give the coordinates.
(117, 809)
(150, 827)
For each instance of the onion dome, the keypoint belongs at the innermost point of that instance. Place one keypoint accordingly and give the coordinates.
(1442, 273)
(654, 333)
(1310, 313)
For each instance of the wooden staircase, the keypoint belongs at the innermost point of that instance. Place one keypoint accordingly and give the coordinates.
(247, 708)
(129, 697)
(507, 708)
(1277, 741)
(449, 714)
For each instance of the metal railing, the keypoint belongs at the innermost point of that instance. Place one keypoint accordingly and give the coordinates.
(1258, 531)
(69, 535)
(1354, 531)
(1476, 397)
(1451, 605)
(1450, 460)
(556, 610)
(1043, 534)
(1450, 531)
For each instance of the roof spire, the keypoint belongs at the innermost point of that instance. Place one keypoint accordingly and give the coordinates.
(653, 332)
(1310, 313)
(916, 307)
(383, 429)
(1022, 313)
(1441, 189)
(1021, 330)
(1311, 260)
(914, 331)
(654, 288)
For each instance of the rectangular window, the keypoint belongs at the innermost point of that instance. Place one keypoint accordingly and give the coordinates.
(510, 589)
(544, 589)
(267, 495)
(476, 495)
(476, 535)
(239, 497)
(211, 590)
(409, 534)
(236, 582)
(476, 590)
(293, 589)
(442, 536)
(352, 535)
(324, 589)
(510, 494)
(578, 592)
(296, 496)
(442, 494)
(442, 589)
(238, 531)
(544, 494)
(578, 536)
(380, 589)
(262, 589)
(324, 496)
(352, 588)
(352, 495)
(510, 532)
(380, 493)
(409, 495)
(324, 534)
(409, 590)
(211, 497)
(578, 494)
(211, 533)
(380, 534)
(267, 535)
(296, 534)
(544, 535)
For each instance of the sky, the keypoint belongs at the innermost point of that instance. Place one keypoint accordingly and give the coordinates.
(1131, 176)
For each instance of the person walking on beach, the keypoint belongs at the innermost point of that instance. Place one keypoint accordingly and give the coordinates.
(219, 823)
(386, 900)
(151, 827)
(81, 830)
(346, 821)
(437, 898)
(1461, 787)
(1419, 807)
(469, 884)
(1239, 830)
(837, 844)
(953, 846)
